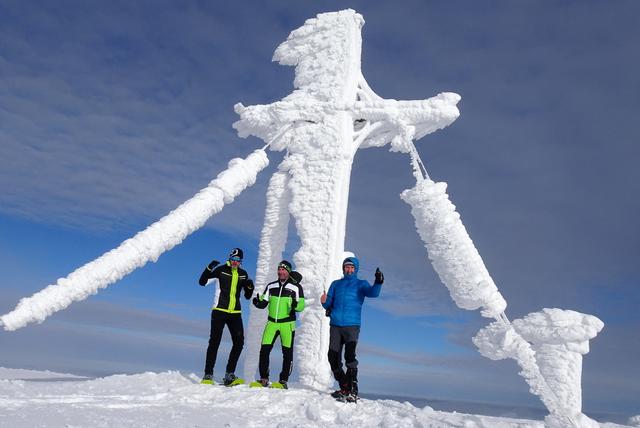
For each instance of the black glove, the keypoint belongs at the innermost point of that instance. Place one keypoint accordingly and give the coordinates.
(379, 277)
(212, 265)
(327, 312)
(260, 304)
(248, 289)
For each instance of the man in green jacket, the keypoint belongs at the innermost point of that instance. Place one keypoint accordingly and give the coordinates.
(284, 298)
(232, 279)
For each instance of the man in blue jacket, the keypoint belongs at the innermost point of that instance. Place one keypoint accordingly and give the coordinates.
(344, 305)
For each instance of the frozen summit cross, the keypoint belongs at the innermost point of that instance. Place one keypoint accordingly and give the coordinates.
(330, 115)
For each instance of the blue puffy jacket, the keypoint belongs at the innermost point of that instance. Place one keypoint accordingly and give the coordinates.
(346, 296)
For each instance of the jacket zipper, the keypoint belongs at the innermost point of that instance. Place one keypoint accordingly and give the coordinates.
(278, 304)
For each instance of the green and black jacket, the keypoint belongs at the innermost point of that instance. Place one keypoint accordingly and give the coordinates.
(284, 300)
(231, 281)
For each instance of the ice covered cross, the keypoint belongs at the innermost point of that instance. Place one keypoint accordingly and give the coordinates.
(330, 115)
(321, 124)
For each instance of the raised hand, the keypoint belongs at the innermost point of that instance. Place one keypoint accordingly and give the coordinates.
(379, 276)
(213, 264)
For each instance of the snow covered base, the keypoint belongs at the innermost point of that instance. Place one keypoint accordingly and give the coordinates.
(548, 346)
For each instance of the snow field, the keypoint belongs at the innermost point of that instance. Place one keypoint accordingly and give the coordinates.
(171, 399)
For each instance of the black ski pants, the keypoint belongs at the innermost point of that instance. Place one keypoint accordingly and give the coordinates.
(234, 322)
(339, 338)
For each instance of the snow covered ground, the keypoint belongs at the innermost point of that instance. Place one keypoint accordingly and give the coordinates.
(171, 399)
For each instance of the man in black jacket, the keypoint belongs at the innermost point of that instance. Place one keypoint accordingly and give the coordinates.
(232, 280)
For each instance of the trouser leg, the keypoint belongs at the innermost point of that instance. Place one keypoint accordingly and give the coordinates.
(335, 354)
(350, 336)
(217, 324)
(350, 355)
(265, 351)
(236, 329)
(287, 357)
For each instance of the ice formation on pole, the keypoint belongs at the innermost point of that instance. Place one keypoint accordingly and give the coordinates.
(452, 253)
(321, 124)
(272, 244)
(145, 246)
(548, 346)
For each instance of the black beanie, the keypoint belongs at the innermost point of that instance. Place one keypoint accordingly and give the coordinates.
(286, 265)
(236, 252)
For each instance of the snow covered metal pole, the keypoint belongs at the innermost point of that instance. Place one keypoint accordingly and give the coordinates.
(145, 246)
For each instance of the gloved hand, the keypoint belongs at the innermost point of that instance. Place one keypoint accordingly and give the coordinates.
(379, 277)
(256, 300)
(248, 289)
(213, 264)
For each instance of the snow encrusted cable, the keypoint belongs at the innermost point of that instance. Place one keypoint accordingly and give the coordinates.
(451, 250)
(145, 246)
(272, 244)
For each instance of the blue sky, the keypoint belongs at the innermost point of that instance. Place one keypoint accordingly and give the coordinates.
(113, 113)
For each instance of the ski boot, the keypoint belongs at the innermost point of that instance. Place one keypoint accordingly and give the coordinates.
(207, 379)
(231, 379)
(341, 393)
(352, 396)
(279, 385)
(260, 383)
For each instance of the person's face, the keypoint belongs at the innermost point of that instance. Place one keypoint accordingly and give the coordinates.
(348, 269)
(283, 274)
(234, 263)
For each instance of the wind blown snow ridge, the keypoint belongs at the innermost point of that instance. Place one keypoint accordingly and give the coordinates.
(145, 246)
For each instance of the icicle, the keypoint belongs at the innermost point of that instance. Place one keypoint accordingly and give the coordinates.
(145, 246)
